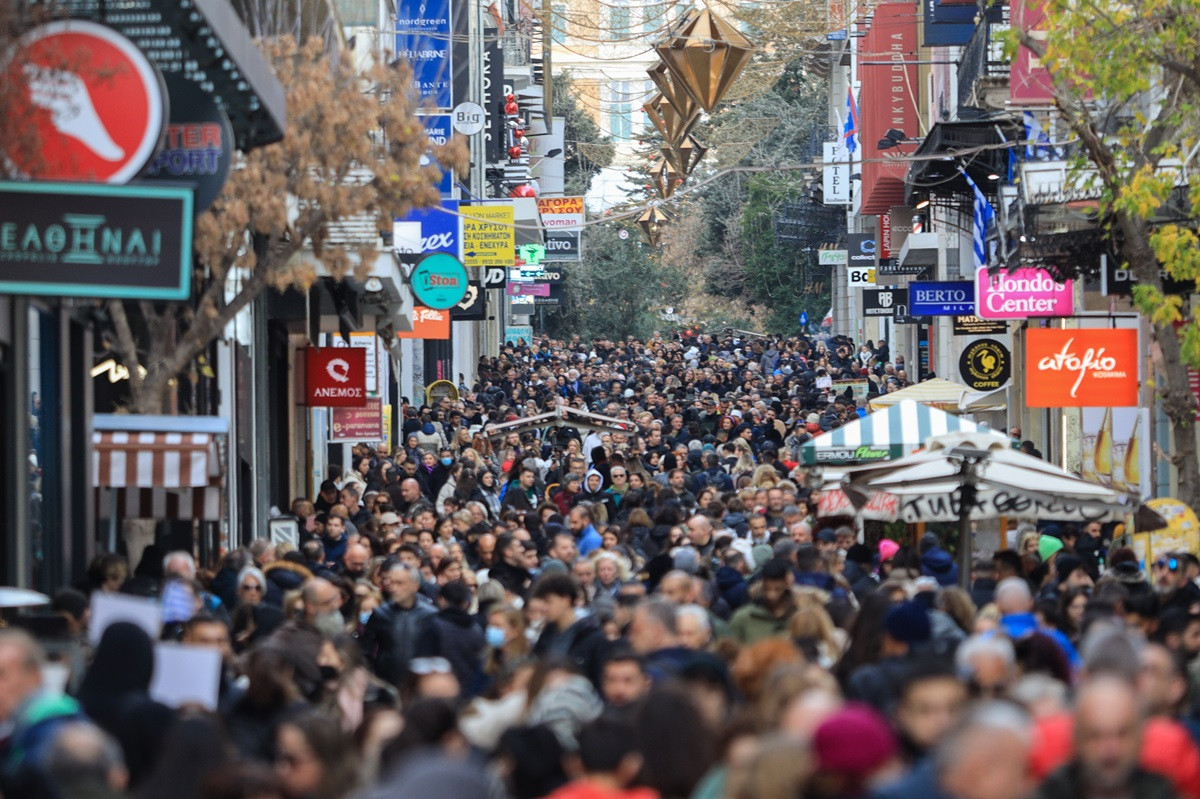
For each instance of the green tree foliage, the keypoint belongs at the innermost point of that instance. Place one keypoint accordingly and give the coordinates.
(579, 167)
(1127, 83)
(618, 288)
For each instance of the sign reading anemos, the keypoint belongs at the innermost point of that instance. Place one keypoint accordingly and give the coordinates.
(1022, 293)
(1081, 368)
(335, 377)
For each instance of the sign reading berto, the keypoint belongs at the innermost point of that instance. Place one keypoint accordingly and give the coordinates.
(94, 240)
(1081, 368)
(1022, 293)
(439, 281)
(941, 298)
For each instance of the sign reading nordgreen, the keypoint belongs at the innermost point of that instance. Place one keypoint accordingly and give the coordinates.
(439, 281)
(96, 240)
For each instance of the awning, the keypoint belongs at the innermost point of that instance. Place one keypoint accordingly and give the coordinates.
(883, 435)
(939, 393)
(942, 176)
(157, 467)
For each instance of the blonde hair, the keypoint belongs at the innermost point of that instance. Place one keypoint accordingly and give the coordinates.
(765, 476)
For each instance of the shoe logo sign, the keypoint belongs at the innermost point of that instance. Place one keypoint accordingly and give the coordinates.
(95, 104)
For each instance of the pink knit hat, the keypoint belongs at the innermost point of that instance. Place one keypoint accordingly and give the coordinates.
(888, 549)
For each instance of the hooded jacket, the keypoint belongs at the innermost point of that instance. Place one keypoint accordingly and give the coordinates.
(937, 563)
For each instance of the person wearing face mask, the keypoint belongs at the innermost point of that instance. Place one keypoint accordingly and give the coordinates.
(319, 617)
(348, 687)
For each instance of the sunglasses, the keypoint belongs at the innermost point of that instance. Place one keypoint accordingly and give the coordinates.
(252, 587)
(1171, 564)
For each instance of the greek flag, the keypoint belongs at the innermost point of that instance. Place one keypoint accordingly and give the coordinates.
(1037, 141)
(850, 127)
(985, 217)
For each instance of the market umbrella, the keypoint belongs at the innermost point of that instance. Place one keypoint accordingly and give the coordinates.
(940, 393)
(967, 476)
(21, 598)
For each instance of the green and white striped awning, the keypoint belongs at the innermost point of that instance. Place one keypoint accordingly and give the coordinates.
(884, 435)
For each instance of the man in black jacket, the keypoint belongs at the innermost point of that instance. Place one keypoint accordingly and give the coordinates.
(454, 635)
(389, 639)
(566, 634)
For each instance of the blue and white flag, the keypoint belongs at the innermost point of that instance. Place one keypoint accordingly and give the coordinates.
(1037, 141)
(850, 127)
(985, 217)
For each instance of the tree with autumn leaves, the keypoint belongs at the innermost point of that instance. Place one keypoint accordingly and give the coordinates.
(1127, 85)
(353, 148)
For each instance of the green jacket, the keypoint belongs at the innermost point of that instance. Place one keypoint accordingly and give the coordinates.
(753, 622)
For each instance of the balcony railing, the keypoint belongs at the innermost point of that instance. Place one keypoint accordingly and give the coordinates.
(983, 57)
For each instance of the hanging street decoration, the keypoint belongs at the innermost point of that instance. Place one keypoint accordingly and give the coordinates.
(705, 57)
(651, 222)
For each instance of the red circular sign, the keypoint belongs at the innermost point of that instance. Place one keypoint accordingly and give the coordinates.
(94, 101)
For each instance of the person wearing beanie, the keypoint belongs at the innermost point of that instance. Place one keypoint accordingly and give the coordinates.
(905, 628)
(853, 748)
(857, 570)
(1048, 547)
(936, 562)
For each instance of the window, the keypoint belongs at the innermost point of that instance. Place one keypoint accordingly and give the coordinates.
(558, 23)
(618, 21)
(654, 17)
(620, 111)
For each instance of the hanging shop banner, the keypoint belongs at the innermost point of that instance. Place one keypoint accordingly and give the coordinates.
(1081, 368)
(199, 143)
(941, 298)
(439, 128)
(835, 174)
(94, 105)
(1114, 450)
(985, 365)
(493, 91)
(562, 224)
(358, 424)
(862, 259)
(423, 41)
(473, 307)
(1021, 294)
(430, 324)
(439, 281)
(1030, 81)
(335, 377)
(93, 240)
(889, 101)
(427, 230)
(489, 235)
(977, 326)
(884, 301)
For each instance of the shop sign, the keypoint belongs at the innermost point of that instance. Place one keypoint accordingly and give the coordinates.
(489, 235)
(1081, 368)
(514, 332)
(439, 281)
(199, 143)
(985, 365)
(978, 326)
(831, 258)
(439, 129)
(473, 307)
(493, 277)
(1022, 293)
(335, 377)
(423, 42)
(941, 298)
(426, 230)
(93, 102)
(562, 224)
(883, 301)
(359, 424)
(862, 453)
(92, 240)
(835, 174)
(862, 260)
(528, 290)
(429, 324)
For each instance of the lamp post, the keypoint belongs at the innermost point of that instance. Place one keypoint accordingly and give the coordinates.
(969, 459)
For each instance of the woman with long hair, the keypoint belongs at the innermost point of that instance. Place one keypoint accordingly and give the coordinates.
(313, 759)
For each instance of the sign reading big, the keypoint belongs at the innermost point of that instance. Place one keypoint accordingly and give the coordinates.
(1081, 368)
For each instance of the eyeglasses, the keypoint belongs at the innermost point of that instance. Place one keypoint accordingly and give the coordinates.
(618, 474)
(1171, 564)
(252, 587)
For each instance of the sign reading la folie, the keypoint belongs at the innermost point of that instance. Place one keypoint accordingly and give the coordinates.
(1022, 293)
(1081, 368)
(335, 377)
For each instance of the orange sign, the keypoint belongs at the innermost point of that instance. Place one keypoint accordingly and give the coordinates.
(1081, 368)
(428, 323)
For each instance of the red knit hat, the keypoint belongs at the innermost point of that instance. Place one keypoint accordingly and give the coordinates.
(855, 742)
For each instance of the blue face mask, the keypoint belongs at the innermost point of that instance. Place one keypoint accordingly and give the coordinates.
(494, 636)
(447, 461)
(363, 616)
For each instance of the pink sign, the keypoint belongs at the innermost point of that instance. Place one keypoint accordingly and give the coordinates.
(528, 289)
(1030, 81)
(1020, 294)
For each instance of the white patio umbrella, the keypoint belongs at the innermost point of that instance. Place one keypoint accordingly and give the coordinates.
(964, 477)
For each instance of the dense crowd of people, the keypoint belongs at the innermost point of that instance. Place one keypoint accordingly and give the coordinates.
(644, 603)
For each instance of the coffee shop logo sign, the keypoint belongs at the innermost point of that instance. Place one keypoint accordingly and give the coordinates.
(80, 239)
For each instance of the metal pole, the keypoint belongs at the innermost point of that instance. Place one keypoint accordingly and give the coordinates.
(966, 494)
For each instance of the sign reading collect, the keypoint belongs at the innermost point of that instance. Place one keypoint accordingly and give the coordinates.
(941, 298)
(439, 281)
(91, 99)
(336, 376)
(1022, 293)
(1081, 368)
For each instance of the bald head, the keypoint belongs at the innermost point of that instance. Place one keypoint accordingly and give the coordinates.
(410, 490)
(1108, 733)
(1013, 596)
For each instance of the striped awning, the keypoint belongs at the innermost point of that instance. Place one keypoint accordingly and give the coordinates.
(884, 435)
(159, 503)
(152, 459)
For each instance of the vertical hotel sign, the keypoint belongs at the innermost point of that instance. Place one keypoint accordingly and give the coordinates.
(423, 41)
(889, 102)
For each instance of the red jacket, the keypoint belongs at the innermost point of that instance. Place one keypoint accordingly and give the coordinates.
(586, 789)
(1167, 749)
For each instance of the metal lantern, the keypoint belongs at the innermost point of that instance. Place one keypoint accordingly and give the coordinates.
(705, 57)
(674, 122)
(652, 222)
(665, 178)
(685, 156)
